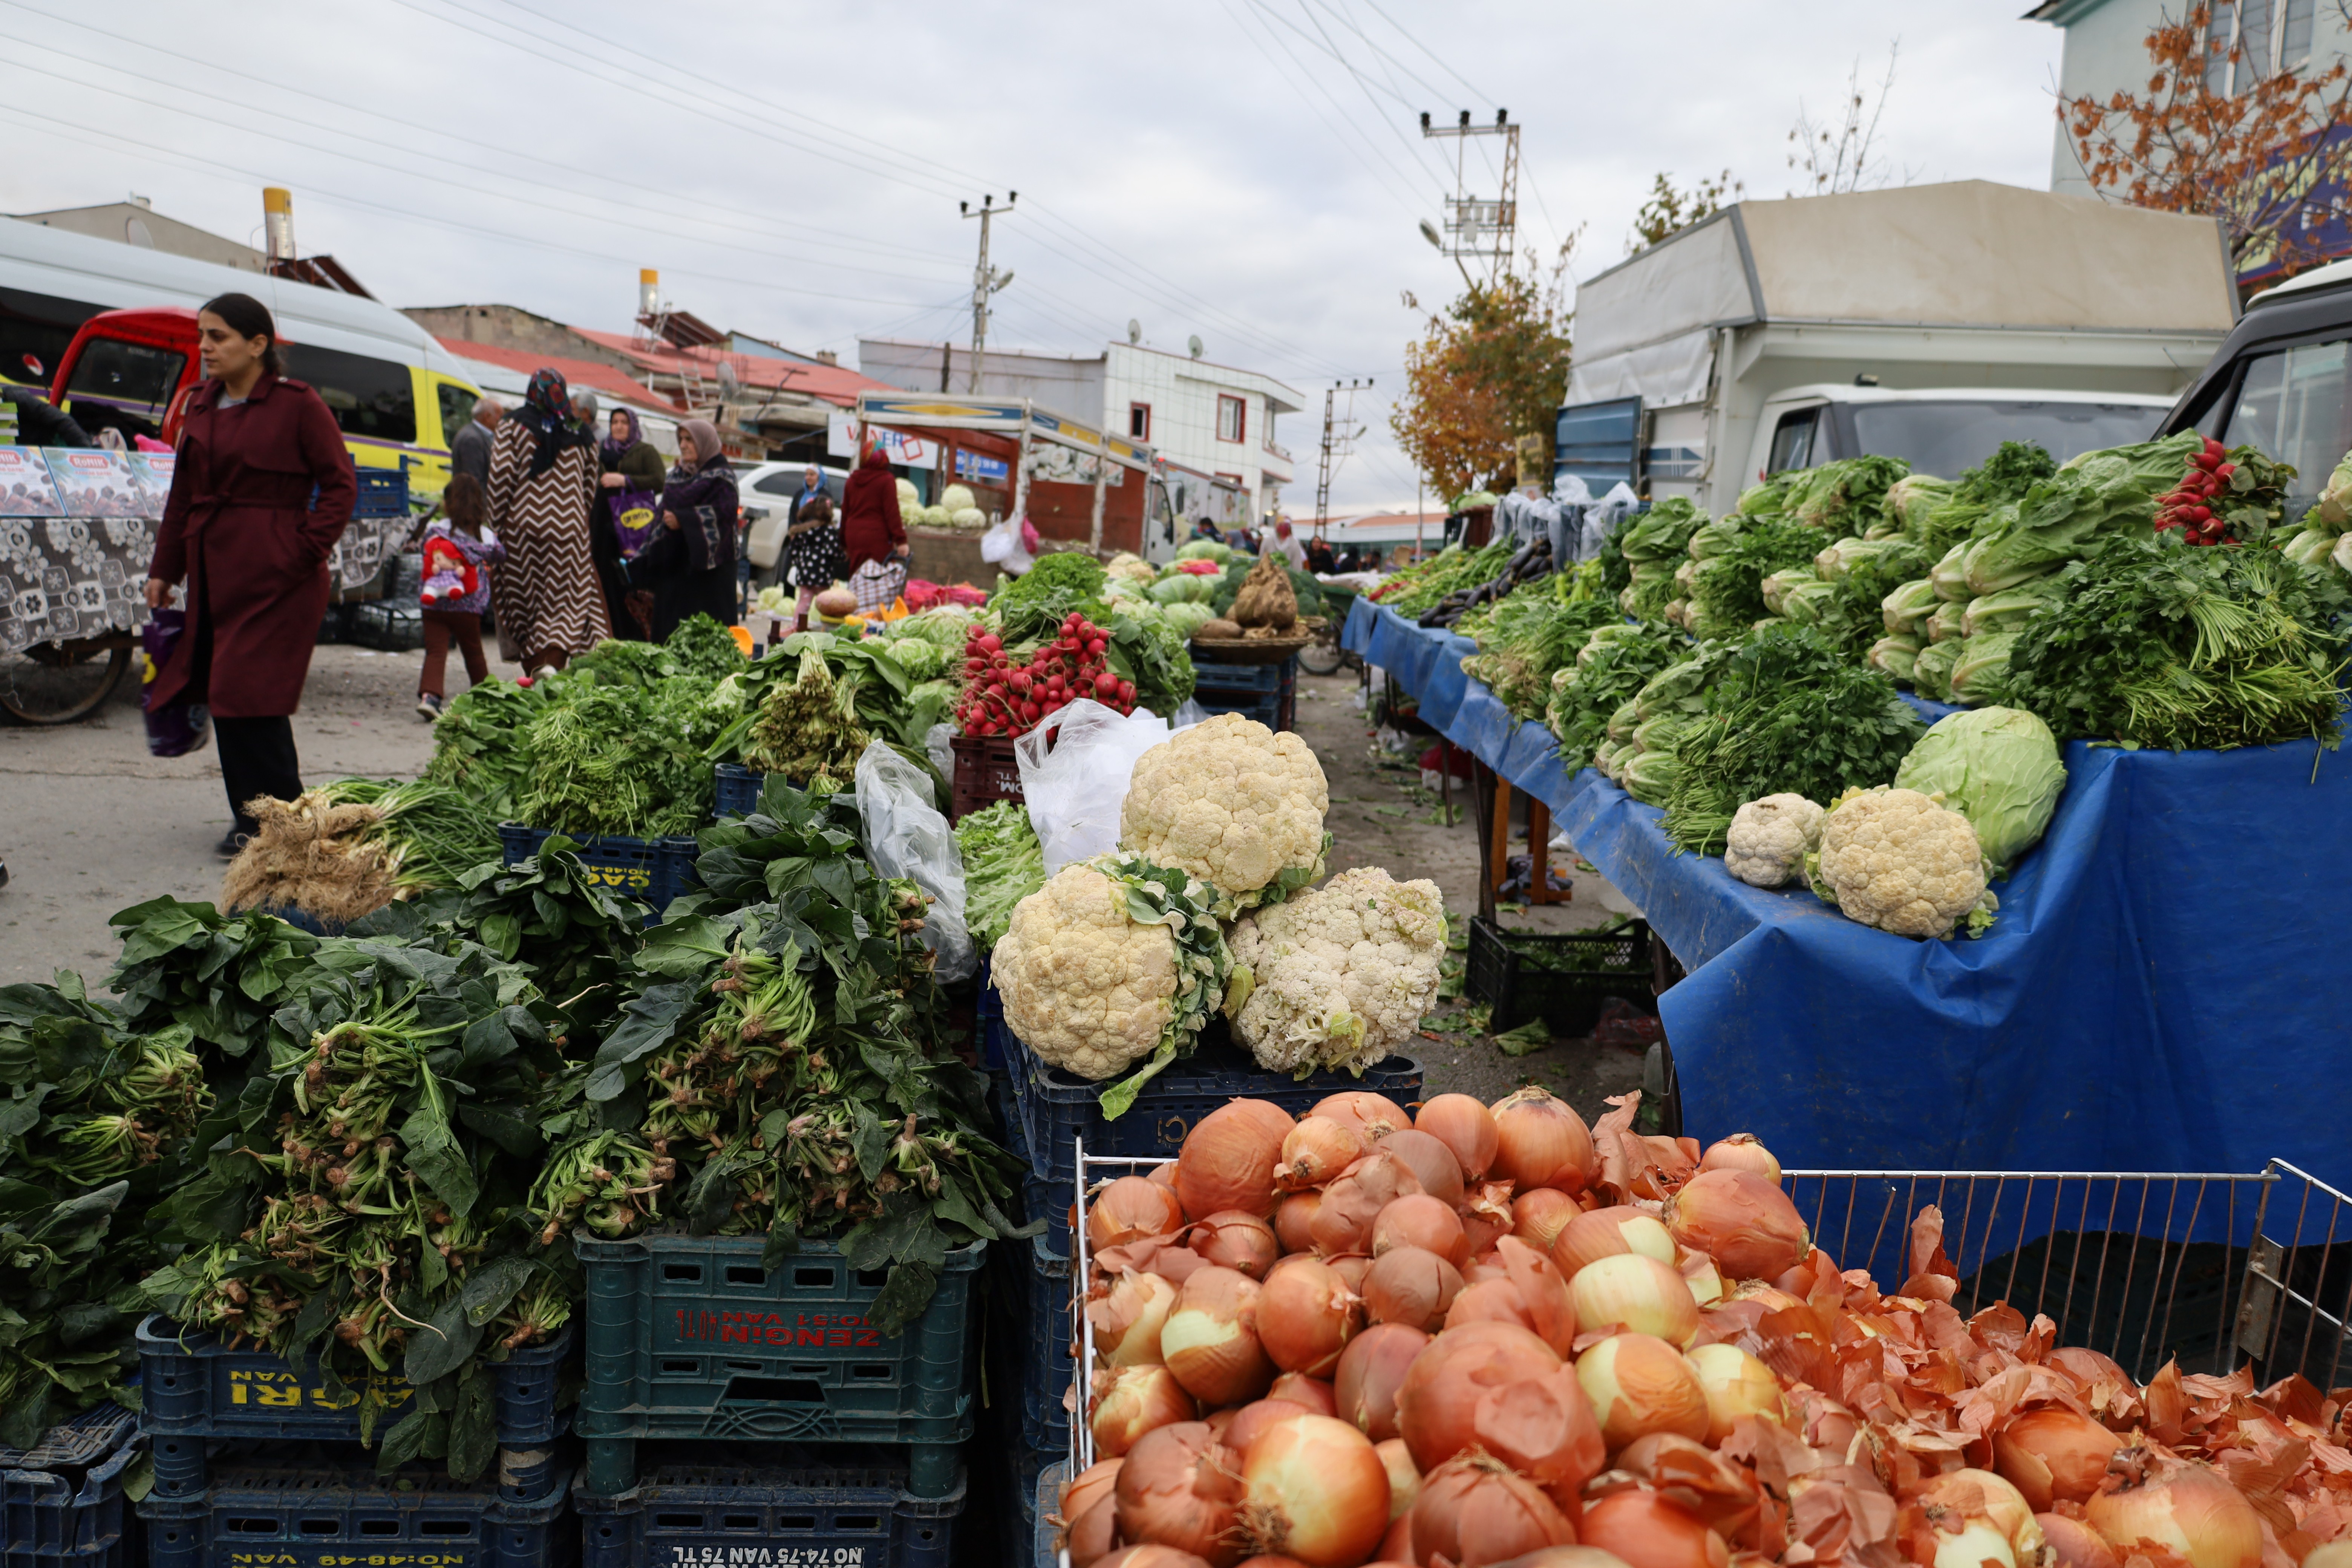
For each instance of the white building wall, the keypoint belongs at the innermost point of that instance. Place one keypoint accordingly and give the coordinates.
(1182, 394)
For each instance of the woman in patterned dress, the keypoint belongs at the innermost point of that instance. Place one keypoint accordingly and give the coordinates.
(549, 601)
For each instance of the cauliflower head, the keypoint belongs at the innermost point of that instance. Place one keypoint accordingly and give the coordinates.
(1770, 839)
(1113, 961)
(1901, 861)
(1337, 977)
(1234, 803)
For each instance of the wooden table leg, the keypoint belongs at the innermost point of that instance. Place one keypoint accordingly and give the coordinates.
(1498, 848)
(1490, 835)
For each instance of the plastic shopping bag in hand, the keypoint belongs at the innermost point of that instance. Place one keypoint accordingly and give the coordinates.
(175, 728)
(1074, 789)
(906, 836)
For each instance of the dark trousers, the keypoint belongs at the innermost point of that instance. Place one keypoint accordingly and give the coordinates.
(441, 629)
(256, 757)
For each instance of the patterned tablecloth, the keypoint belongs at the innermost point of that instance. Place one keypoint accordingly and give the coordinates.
(63, 577)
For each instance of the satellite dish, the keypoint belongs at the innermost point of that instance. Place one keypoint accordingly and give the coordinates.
(1193, 342)
(1429, 232)
(1134, 331)
(729, 384)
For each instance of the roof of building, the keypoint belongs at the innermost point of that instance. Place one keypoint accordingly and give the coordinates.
(826, 383)
(581, 373)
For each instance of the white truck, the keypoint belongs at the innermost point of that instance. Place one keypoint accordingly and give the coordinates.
(1929, 322)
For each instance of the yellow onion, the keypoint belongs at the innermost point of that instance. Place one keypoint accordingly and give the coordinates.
(1294, 1221)
(2077, 1545)
(1092, 1483)
(1151, 1554)
(1410, 1285)
(2052, 1454)
(1464, 1125)
(1306, 1316)
(1486, 1217)
(1638, 1384)
(1740, 1219)
(1741, 1152)
(1969, 1502)
(1316, 1491)
(1430, 1161)
(1369, 1116)
(1178, 1489)
(1437, 1403)
(1094, 1532)
(1541, 1141)
(1649, 1530)
(1127, 1322)
(1404, 1481)
(1131, 1209)
(1228, 1158)
(1491, 1301)
(1343, 1221)
(2189, 1509)
(1351, 1267)
(1610, 1233)
(1396, 1546)
(1239, 1241)
(1315, 1394)
(1371, 1370)
(1537, 1217)
(1209, 1341)
(1316, 1151)
(1252, 1420)
(1134, 1400)
(1422, 1220)
(1544, 1429)
(1637, 1293)
(1736, 1385)
(1475, 1511)
(1551, 1311)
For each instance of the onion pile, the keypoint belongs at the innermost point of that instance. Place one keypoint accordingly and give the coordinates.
(1496, 1336)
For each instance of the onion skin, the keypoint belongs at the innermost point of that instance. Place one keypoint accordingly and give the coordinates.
(1136, 1400)
(1371, 1369)
(1610, 1233)
(1404, 1481)
(1396, 1546)
(1743, 1221)
(1537, 1217)
(1541, 1141)
(1314, 1392)
(1315, 1490)
(1486, 1216)
(1648, 1531)
(1637, 1293)
(1437, 1403)
(1294, 1221)
(1474, 1511)
(1741, 1152)
(2077, 1544)
(1127, 1322)
(1228, 1158)
(1551, 1311)
(1210, 1341)
(1305, 1317)
(1639, 1385)
(1422, 1220)
(1316, 1151)
(1410, 1285)
(1465, 1126)
(2053, 1454)
(1242, 1242)
(1735, 1383)
(1371, 1116)
(1178, 1489)
(1491, 1301)
(1544, 1429)
(1431, 1161)
(1151, 1555)
(1094, 1482)
(1251, 1421)
(2189, 1510)
(1094, 1534)
(1132, 1208)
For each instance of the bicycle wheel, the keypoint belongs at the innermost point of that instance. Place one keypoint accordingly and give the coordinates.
(1322, 657)
(58, 683)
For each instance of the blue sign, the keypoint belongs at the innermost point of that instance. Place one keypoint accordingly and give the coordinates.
(981, 469)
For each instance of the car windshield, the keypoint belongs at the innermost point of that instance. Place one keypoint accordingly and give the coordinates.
(1945, 438)
(136, 378)
(2293, 405)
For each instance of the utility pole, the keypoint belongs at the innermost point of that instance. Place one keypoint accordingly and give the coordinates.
(1338, 441)
(1475, 228)
(983, 282)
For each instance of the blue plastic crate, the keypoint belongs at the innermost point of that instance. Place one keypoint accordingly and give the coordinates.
(1047, 1333)
(195, 1389)
(720, 1511)
(324, 1515)
(61, 1502)
(1045, 1533)
(1055, 1106)
(1265, 692)
(691, 1337)
(1266, 709)
(737, 790)
(651, 870)
(384, 492)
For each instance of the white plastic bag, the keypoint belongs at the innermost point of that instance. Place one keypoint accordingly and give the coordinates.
(1074, 789)
(1188, 713)
(1001, 546)
(906, 836)
(938, 744)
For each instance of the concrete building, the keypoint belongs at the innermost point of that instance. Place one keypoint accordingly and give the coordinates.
(136, 223)
(1207, 416)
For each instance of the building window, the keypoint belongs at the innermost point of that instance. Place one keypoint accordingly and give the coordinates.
(2221, 32)
(2294, 34)
(2241, 46)
(1139, 422)
(2253, 42)
(1232, 418)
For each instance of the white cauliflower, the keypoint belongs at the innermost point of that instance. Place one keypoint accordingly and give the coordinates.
(1337, 977)
(1770, 839)
(1901, 861)
(1113, 960)
(1234, 803)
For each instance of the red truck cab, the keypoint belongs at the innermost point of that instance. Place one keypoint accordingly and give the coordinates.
(130, 371)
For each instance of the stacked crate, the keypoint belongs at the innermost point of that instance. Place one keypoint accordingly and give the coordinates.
(1265, 692)
(61, 1502)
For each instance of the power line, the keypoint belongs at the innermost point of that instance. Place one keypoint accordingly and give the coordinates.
(1412, 152)
(1339, 128)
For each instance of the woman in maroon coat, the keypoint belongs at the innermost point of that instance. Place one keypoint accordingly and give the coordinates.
(244, 528)
(873, 537)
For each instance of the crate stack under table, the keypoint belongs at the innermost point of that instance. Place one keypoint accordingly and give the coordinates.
(62, 1503)
(731, 1409)
(259, 1459)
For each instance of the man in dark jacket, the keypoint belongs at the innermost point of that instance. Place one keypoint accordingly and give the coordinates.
(469, 448)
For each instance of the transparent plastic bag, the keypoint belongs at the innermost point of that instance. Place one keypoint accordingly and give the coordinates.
(938, 744)
(1189, 713)
(1000, 547)
(1074, 789)
(906, 836)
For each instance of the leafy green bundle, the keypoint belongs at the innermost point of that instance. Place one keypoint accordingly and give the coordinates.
(2004, 477)
(1002, 864)
(1416, 590)
(1726, 588)
(481, 744)
(621, 758)
(1845, 496)
(436, 832)
(1529, 633)
(2095, 497)
(2160, 643)
(1607, 674)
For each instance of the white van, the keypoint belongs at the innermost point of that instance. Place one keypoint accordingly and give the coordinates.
(1940, 430)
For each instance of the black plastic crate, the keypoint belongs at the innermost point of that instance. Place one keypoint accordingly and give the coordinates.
(61, 1502)
(326, 1515)
(196, 1389)
(736, 790)
(1561, 977)
(1056, 1106)
(388, 626)
(651, 870)
(719, 1509)
(1038, 1286)
(689, 1337)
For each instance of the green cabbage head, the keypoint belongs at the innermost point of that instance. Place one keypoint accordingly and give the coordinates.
(1997, 767)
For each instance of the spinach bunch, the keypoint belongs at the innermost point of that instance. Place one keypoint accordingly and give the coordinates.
(1602, 680)
(1726, 588)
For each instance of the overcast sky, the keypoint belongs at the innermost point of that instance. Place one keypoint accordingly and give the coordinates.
(1250, 170)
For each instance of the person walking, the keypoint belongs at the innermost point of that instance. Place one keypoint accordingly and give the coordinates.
(457, 590)
(261, 491)
(542, 478)
(812, 544)
(690, 565)
(872, 536)
(624, 521)
(469, 448)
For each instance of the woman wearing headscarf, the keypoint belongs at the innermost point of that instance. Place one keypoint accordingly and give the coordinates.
(872, 536)
(690, 565)
(549, 601)
(622, 523)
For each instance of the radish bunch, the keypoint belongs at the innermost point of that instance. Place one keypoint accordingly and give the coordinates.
(1000, 698)
(2191, 506)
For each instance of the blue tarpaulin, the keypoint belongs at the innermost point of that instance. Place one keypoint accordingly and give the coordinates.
(2159, 993)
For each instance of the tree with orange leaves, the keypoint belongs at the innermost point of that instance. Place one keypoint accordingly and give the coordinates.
(1491, 369)
(2271, 160)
